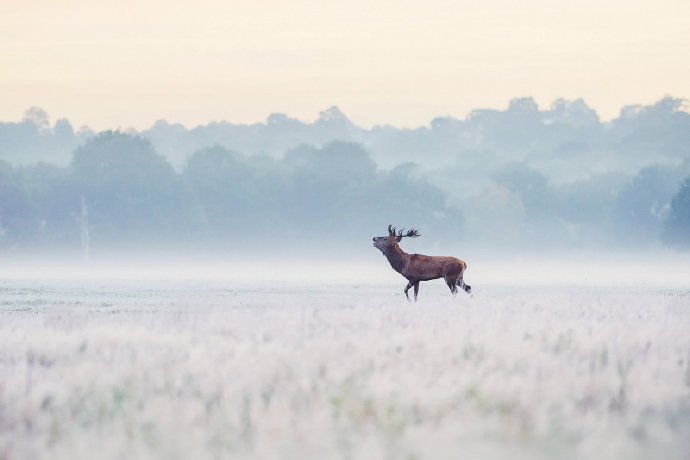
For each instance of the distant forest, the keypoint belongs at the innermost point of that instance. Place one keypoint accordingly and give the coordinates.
(521, 179)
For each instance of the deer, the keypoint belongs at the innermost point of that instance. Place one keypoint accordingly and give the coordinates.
(418, 267)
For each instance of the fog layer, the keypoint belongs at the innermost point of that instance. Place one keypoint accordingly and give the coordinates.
(522, 180)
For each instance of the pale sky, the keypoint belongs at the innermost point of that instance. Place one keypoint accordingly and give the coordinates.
(130, 63)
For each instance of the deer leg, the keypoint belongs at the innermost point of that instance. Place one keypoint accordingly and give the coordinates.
(416, 290)
(407, 288)
(451, 282)
(465, 287)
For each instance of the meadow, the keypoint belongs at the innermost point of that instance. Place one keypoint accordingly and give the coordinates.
(180, 369)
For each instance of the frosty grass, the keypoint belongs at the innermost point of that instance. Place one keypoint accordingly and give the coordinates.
(210, 370)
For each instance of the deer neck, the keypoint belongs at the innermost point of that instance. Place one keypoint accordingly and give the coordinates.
(397, 258)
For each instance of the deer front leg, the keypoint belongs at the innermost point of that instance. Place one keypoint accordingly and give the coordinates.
(416, 290)
(407, 288)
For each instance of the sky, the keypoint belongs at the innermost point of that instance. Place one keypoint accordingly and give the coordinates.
(129, 63)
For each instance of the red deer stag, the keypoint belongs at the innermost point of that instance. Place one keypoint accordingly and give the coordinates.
(417, 267)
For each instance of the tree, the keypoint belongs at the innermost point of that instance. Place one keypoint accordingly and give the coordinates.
(18, 222)
(677, 228)
(134, 195)
(643, 205)
(54, 197)
(320, 178)
(37, 117)
(531, 185)
(236, 192)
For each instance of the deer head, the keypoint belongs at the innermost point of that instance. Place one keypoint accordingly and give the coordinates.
(384, 243)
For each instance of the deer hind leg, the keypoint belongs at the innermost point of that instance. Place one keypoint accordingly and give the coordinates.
(465, 287)
(416, 290)
(451, 282)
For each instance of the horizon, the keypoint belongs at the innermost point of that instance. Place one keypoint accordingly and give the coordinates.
(320, 113)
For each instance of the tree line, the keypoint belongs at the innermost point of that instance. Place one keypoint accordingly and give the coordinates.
(520, 178)
(313, 197)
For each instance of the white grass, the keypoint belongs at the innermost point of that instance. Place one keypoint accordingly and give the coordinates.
(206, 370)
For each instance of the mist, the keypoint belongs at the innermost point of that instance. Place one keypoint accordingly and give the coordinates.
(498, 184)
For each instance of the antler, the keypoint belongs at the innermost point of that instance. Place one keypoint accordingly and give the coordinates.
(412, 233)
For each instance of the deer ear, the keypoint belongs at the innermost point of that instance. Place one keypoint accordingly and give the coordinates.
(398, 238)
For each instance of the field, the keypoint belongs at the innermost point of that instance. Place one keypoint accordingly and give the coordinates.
(212, 369)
